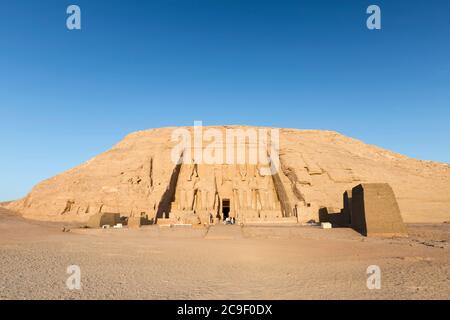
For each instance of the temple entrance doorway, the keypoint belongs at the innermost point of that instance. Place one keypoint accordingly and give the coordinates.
(226, 208)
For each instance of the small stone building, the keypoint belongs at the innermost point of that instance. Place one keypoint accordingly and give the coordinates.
(100, 219)
(137, 222)
(134, 222)
(375, 212)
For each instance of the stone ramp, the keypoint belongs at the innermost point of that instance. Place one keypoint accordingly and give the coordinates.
(224, 232)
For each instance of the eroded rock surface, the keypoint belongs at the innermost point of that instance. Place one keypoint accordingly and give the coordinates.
(138, 177)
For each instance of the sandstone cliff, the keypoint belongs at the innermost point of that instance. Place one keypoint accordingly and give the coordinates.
(134, 177)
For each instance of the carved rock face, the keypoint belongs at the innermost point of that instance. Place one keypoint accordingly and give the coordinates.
(221, 191)
(138, 176)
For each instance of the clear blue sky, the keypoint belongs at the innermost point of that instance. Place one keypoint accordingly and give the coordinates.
(66, 96)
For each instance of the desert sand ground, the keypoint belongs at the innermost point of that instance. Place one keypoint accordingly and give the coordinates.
(224, 262)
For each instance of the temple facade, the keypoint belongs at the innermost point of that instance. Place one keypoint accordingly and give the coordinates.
(209, 194)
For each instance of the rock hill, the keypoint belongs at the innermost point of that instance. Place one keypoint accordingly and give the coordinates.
(136, 176)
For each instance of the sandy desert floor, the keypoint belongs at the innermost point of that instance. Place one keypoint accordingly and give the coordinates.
(224, 262)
